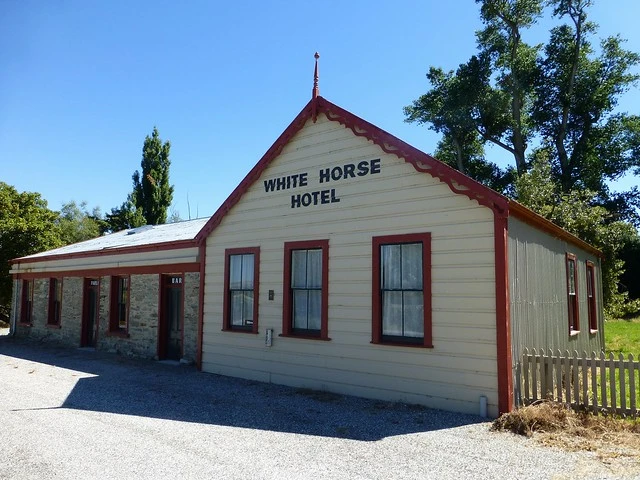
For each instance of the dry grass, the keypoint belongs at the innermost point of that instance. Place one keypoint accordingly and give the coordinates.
(555, 425)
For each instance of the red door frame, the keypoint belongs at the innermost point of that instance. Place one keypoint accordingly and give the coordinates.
(85, 311)
(162, 323)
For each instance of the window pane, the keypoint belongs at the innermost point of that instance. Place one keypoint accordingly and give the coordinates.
(392, 313)
(589, 282)
(572, 277)
(247, 271)
(315, 309)
(235, 272)
(314, 268)
(236, 308)
(300, 309)
(391, 274)
(412, 266)
(248, 308)
(413, 314)
(299, 269)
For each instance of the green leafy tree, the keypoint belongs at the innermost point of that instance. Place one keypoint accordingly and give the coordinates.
(152, 193)
(576, 96)
(124, 217)
(563, 97)
(78, 224)
(27, 226)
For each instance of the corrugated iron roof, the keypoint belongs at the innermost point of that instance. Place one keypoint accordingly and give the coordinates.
(134, 237)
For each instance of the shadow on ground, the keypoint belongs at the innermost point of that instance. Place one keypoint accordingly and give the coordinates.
(177, 392)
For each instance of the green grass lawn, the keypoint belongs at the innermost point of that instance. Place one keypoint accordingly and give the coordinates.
(623, 336)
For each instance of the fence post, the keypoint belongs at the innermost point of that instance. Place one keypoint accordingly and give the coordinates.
(594, 382)
(623, 387)
(525, 368)
(534, 375)
(632, 386)
(567, 377)
(558, 368)
(603, 379)
(612, 381)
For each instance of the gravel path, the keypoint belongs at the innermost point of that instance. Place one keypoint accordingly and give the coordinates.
(70, 414)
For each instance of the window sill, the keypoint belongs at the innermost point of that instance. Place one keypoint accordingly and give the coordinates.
(400, 344)
(238, 330)
(592, 331)
(53, 325)
(305, 337)
(573, 333)
(118, 334)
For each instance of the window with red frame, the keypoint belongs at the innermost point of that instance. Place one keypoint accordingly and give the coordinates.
(240, 307)
(26, 310)
(55, 301)
(591, 296)
(401, 302)
(306, 289)
(572, 293)
(119, 311)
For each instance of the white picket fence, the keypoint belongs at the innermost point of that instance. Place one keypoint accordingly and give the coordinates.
(592, 382)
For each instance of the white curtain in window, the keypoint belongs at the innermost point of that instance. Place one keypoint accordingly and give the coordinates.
(300, 310)
(299, 269)
(314, 309)
(236, 308)
(392, 313)
(413, 314)
(314, 269)
(391, 265)
(412, 266)
(247, 271)
(235, 272)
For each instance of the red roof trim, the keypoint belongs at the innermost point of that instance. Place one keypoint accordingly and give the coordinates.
(422, 162)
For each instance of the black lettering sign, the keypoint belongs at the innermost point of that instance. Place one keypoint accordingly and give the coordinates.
(314, 198)
(285, 183)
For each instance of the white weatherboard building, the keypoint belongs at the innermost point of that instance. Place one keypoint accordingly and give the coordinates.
(347, 261)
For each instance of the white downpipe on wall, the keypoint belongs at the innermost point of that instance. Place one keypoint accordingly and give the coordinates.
(483, 406)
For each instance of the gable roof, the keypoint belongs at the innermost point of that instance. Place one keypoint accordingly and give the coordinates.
(422, 162)
(149, 237)
(458, 182)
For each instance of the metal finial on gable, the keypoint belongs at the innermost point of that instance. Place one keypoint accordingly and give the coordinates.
(316, 90)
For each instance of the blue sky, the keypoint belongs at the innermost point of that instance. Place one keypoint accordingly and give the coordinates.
(83, 82)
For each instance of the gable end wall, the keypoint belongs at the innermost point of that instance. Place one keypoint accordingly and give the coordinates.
(462, 365)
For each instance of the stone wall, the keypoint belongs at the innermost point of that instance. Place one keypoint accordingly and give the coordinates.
(68, 332)
(141, 339)
(190, 326)
(142, 333)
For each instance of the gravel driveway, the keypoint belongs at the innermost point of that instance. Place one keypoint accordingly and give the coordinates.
(74, 414)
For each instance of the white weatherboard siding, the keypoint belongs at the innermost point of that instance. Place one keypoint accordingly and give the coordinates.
(122, 260)
(462, 364)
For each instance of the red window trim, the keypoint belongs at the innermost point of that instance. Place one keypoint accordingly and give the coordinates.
(50, 315)
(26, 313)
(570, 257)
(226, 307)
(287, 329)
(114, 327)
(592, 302)
(376, 300)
